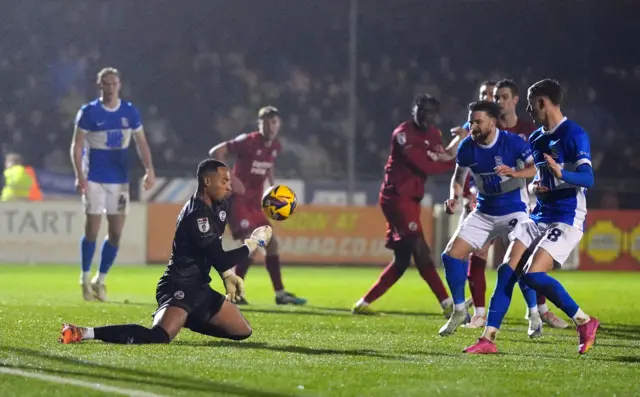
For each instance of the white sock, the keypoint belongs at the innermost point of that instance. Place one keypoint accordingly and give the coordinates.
(88, 333)
(490, 333)
(543, 308)
(479, 311)
(280, 293)
(533, 310)
(580, 317)
(446, 302)
(99, 278)
(85, 277)
(459, 307)
(362, 303)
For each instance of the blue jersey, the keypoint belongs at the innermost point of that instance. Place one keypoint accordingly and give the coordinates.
(107, 136)
(497, 195)
(569, 146)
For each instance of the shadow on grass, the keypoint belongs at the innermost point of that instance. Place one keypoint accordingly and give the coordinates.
(618, 359)
(291, 349)
(87, 369)
(307, 310)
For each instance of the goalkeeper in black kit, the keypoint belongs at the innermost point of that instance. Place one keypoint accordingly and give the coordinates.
(185, 299)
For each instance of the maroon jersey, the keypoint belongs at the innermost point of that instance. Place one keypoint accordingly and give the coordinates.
(254, 159)
(411, 160)
(523, 128)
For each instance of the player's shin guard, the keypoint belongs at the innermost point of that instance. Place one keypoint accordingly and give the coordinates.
(272, 262)
(131, 334)
(478, 280)
(108, 256)
(529, 294)
(87, 250)
(391, 274)
(501, 298)
(455, 271)
(553, 290)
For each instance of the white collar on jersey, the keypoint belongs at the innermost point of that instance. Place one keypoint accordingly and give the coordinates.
(492, 144)
(110, 109)
(551, 131)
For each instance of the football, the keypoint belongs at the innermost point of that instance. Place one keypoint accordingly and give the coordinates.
(279, 202)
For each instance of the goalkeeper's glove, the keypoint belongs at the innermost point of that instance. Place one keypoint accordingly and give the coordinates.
(233, 285)
(259, 238)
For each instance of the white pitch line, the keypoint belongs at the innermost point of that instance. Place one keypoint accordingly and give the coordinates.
(79, 383)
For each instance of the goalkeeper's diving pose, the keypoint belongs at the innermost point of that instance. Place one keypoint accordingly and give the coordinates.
(184, 296)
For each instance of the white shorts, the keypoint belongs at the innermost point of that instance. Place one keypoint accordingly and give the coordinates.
(478, 229)
(112, 198)
(558, 239)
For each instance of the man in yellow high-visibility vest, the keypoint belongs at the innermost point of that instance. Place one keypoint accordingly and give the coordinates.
(17, 182)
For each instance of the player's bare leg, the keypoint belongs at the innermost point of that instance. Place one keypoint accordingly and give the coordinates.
(537, 278)
(87, 250)
(228, 323)
(423, 258)
(167, 323)
(454, 259)
(108, 254)
(402, 252)
(272, 263)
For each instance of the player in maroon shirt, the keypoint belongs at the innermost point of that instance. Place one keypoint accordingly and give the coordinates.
(255, 154)
(416, 149)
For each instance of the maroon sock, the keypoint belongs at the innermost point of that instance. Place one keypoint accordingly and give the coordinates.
(477, 280)
(388, 277)
(243, 267)
(272, 263)
(541, 299)
(429, 273)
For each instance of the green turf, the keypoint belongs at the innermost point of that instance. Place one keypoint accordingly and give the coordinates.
(318, 350)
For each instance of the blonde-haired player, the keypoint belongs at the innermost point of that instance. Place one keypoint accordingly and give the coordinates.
(103, 130)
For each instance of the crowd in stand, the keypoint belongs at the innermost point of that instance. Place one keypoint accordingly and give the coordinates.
(195, 86)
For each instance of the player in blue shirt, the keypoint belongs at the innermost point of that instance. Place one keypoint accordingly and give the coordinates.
(499, 162)
(103, 129)
(562, 155)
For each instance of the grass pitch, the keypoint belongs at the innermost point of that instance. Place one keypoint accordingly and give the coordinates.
(317, 350)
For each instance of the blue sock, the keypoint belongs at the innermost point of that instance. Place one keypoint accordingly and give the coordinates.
(501, 298)
(455, 271)
(553, 290)
(109, 253)
(87, 249)
(529, 294)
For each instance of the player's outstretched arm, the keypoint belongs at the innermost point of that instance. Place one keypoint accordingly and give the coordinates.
(220, 153)
(144, 152)
(527, 172)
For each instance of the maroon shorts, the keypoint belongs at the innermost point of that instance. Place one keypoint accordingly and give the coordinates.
(403, 219)
(244, 218)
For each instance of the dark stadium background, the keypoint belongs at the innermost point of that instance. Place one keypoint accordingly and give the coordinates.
(198, 70)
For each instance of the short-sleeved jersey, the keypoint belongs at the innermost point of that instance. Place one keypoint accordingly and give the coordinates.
(107, 136)
(255, 157)
(197, 244)
(411, 161)
(497, 195)
(568, 144)
(522, 128)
